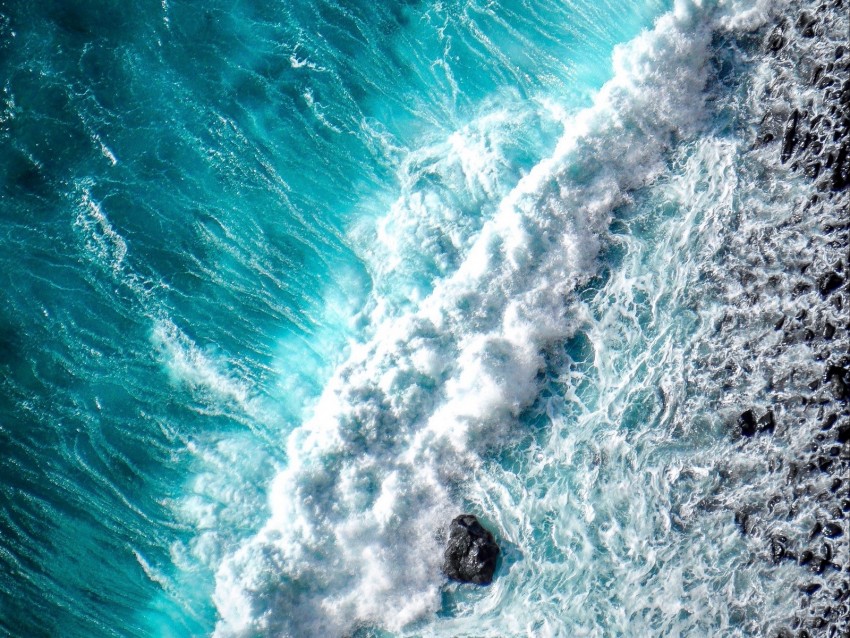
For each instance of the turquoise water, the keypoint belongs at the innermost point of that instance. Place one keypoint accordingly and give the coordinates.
(285, 286)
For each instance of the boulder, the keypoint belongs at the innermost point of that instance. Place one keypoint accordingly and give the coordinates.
(471, 552)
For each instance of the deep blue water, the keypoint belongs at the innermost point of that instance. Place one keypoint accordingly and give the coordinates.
(387, 229)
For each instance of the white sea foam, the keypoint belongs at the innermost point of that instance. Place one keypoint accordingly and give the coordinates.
(203, 373)
(101, 239)
(448, 190)
(373, 474)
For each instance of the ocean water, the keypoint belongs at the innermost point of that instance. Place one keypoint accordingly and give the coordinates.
(286, 286)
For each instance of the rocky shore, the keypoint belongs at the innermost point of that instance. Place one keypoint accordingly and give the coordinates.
(789, 374)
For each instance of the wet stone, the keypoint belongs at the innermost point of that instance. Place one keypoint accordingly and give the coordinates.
(742, 520)
(829, 283)
(747, 423)
(471, 552)
(776, 41)
(789, 140)
(767, 423)
(841, 170)
(806, 24)
(810, 589)
(828, 331)
(832, 530)
(778, 549)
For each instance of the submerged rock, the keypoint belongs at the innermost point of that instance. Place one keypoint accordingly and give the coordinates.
(789, 140)
(829, 283)
(747, 423)
(471, 552)
(767, 423)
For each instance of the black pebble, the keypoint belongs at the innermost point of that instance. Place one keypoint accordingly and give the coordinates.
(806, 23)
(747, 423)
(831, 530)
(829, 283)
(741, 520)
(829, 421)
(810, 589)
(767, 423)
(789, 141)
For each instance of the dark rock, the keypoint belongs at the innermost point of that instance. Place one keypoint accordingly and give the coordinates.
(471, 552)
(812, 170)
(810, 589)
(829, 283)
(826, 82)
(778, 548)
(818, 565)
(776, 41)
(828, 331)
(840, 382)
(801, 288)
(806, 557)
(844, 96)
(747, 423)
(793, 470)
(789, 141)
(841, 169)
(806, 24)
(829, 421)
(742, 519)
(842, 433)
(767, 423)
(831, 530)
